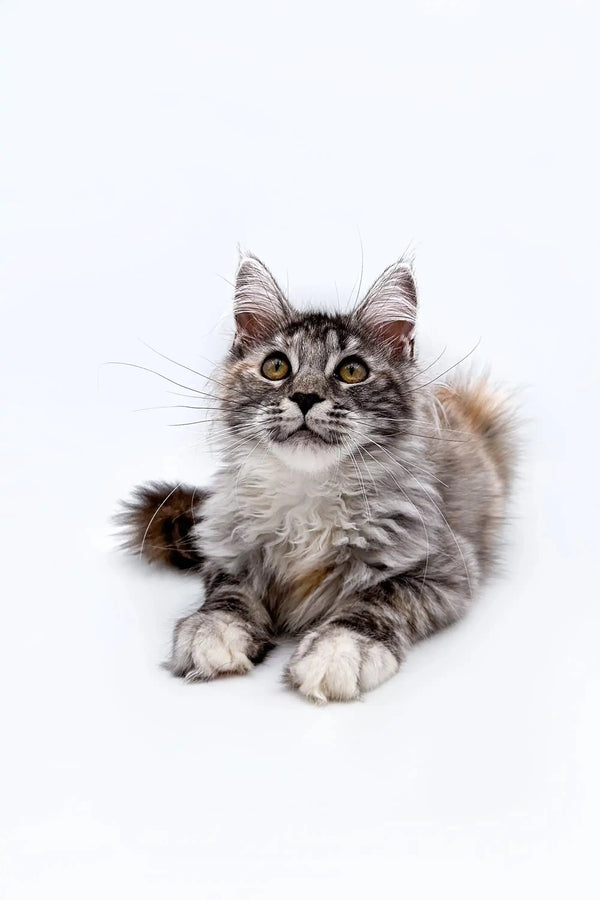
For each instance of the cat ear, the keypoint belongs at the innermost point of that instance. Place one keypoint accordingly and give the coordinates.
(390, 307)
(259, 304)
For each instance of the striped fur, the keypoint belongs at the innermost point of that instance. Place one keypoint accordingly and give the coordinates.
(362, 524)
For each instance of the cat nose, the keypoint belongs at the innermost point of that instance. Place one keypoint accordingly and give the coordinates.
(305, 401)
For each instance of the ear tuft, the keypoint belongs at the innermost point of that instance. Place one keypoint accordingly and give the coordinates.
(390, 307)
(260, 306)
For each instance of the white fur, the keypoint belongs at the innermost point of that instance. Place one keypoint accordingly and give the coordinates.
(298, 520)
(307, 457)
(311, 455)
(338, 665)
(215, 642)
(378, 665)
(303, 522)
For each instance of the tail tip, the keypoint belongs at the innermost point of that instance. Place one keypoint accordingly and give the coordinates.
(156, 523)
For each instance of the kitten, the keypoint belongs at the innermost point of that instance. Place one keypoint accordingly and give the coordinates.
(358, 506)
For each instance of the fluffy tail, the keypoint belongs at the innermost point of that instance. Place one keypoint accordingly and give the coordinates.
(157, 522)
(491, 416)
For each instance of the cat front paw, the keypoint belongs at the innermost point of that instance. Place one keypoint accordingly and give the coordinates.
(209, 644)
(339, 664)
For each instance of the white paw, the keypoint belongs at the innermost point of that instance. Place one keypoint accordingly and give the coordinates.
(208, 644)
(338, 664)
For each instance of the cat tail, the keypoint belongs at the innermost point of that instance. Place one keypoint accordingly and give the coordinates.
(157, 523)
(491, 415)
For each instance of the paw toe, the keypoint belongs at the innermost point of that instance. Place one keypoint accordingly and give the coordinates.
(327, 668)
(207, 645)
(339, 664)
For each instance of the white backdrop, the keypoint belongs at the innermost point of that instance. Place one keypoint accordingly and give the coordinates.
(141, 142)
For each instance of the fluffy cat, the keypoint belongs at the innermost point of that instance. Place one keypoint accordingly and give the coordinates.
(358, 505)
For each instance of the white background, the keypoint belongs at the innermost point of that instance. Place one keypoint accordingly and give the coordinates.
(141, 142)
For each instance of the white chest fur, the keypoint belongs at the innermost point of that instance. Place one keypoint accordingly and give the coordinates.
(298, 522)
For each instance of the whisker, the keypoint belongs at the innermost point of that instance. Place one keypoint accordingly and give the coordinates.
(233, 445)
(372, 477)
(191, 396)
(181, 365)
(417, 510)
(403, 433)
(244, 462)
(455, 539)
(226, 280)
(229, 429)
(154, 515)
(437, 424)
(160, 375)
(417, 422)
(172, 406)
(210, 420)
(436, 437)
(192, 506)
(391, 455)
(449, 369)
(426, 369)
(360, 478)
(362, 269)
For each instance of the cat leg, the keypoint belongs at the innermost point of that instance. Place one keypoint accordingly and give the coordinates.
(367, 639)
(228, 635)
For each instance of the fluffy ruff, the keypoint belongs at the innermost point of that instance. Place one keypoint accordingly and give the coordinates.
(316, 552)
(358, 507)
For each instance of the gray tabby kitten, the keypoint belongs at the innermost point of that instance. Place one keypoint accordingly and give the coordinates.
(358, 505)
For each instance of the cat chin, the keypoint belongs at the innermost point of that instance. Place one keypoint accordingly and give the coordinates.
(306, 458)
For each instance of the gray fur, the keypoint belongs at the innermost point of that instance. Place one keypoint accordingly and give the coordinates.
(367, 530)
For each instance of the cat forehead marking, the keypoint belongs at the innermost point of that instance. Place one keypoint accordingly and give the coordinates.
(320, 342)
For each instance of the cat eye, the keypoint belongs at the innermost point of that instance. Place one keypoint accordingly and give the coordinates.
(275, 367)
(352, 370)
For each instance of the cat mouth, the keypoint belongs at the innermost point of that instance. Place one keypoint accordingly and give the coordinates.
(306, 435)
(303, 435)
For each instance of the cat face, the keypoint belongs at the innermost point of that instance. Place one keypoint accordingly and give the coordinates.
(314, 388)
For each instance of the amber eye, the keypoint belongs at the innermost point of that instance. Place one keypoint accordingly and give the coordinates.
(352, 370)
(275, 367)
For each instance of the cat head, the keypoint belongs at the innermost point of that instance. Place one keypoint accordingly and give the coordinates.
(315, 387)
